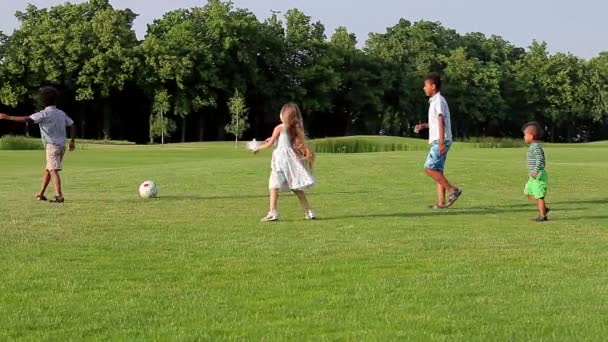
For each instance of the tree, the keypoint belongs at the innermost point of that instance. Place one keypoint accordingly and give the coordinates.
(358, 99)
(159, 123)
(473, 90)
(199, 55)
(86, 49)
(191, 61)
(597, 71)
(238, 113)
(178, 59)
(112, 61)
(408, 52)
(310, 76)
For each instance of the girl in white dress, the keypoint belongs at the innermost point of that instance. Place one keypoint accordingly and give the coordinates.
(291, 162)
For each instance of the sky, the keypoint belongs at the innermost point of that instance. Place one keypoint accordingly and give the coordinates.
(578, 27)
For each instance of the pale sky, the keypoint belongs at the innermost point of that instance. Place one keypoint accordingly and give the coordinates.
(579, 26)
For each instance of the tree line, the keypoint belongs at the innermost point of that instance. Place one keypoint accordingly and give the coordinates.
(183, 76)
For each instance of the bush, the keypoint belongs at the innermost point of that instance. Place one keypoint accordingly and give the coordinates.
(11, 142)
(364, 144)
(369, 144)
(490, 142)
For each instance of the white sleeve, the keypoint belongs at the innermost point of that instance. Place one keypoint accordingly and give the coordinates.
(38, 117)
(441, 108)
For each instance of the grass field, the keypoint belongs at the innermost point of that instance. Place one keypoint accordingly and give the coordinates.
(378, 265)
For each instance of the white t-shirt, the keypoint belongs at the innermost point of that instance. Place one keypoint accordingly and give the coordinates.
(439, 106)
(52, 123)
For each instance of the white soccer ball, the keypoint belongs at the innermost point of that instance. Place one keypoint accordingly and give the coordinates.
(148, 189)
(253, 145)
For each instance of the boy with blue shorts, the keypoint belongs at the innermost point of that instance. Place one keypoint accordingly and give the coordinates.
(440, 139)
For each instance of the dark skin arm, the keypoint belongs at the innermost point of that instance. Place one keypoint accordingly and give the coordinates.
(422, 126)
(72, 145)
(441, 134)
(14, 118)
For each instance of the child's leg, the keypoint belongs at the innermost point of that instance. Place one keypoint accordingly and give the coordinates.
(541, 204)
(46, 179)
(56, 183)
(441, 190)
(303, 201)
(440, 179)
(274, 199)
(542, 207)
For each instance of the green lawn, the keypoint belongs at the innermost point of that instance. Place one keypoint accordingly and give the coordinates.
(378, 265)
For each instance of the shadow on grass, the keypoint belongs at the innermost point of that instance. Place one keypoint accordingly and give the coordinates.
(579, 218)
(256, 196)
(600, 201)
(439, 213)
(193, 197)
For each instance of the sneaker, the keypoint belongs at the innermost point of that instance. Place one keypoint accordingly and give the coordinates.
(272, 216)
(310, 215)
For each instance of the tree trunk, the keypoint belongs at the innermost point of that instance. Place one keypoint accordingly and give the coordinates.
(83, 120)
(162, 129)
(184, 124)
(553, 133)
(107, 120)
(150, 129)
(201, 128)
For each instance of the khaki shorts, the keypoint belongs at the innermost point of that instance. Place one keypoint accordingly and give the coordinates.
(54, 157)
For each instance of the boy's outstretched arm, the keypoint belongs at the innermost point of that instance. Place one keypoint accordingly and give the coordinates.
(14, 118)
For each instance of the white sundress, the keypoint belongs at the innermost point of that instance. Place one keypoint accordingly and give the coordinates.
(288, 171)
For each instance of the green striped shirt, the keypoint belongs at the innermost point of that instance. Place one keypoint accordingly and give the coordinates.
(536, 157)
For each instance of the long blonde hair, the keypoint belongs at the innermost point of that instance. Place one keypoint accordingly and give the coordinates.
(294, 124)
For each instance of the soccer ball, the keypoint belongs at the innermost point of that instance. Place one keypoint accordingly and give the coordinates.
(148, 189)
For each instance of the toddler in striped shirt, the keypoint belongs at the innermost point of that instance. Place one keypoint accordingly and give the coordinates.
(536, 188)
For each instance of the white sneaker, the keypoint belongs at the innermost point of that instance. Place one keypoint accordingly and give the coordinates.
(310, 215)
(272, 216)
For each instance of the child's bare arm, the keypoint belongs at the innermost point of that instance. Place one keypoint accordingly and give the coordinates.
(269, 142)
(420, 126)
(72, 138)
(14, 118)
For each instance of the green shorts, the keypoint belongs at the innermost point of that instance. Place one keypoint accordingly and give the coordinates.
(537, 187)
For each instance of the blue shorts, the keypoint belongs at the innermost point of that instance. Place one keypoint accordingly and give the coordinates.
(434, 160)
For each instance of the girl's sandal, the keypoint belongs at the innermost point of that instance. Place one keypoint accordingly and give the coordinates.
(58, 199)
(41, 198)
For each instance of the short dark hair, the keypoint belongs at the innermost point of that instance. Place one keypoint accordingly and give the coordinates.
(435, 79)
(48, 96)
(538, 130)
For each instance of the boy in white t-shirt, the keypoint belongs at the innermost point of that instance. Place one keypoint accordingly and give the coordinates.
(53, 123)
(440, 139)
